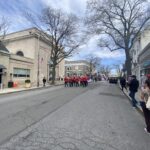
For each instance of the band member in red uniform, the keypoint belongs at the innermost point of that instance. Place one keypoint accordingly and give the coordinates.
(85, 81)
(77, 81)
(74, 81)
(66, 81)
(71, 81)
(82, 81)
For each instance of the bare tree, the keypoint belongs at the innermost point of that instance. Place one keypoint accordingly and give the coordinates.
(62, 29)
(4, 24)
(94, 62)
(118, 68)
(121, 22)
(104, 70)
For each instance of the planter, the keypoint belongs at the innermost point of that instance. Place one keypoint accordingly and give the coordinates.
(27, 85)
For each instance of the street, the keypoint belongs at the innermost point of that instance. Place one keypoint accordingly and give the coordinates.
(98, 117)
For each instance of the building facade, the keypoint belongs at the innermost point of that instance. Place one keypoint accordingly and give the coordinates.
(140, 54)
(144, 60)
(4, 63)
(80, 67)
(27, 56)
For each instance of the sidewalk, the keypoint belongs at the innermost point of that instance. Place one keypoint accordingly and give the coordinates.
(137, 97)
(13, 90)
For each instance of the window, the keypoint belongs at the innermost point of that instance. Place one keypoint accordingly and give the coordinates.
(68, 68)
(76, 67)
(20, 53)
(19, 72)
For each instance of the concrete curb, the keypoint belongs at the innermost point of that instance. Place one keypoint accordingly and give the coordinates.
(30, 89)
(138, 108)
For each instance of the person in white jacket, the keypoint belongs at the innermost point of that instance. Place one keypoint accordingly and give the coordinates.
(145, 94)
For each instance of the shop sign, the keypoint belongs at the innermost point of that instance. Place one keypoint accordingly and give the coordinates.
(146, 64)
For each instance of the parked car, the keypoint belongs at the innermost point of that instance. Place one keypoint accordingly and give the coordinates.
(113, 79)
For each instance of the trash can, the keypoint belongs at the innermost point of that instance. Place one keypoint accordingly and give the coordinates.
(10, 84)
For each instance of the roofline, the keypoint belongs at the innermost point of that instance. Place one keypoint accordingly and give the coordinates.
(26, 36)
(145, 48)
(23, 30)
(77, 61)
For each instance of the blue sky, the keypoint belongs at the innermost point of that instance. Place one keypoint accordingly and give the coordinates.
(13, 11)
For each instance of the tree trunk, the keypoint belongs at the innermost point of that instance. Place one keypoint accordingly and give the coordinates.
(90, 69)
(128, 63)
(53, 74)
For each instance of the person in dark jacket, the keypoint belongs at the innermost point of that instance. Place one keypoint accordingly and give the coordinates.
(123, 83)
(44, 81)
(133, 88)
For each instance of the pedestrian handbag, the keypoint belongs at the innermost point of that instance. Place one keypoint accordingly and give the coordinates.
(148, 103)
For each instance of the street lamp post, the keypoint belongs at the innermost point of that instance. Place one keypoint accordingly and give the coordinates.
(38, 71)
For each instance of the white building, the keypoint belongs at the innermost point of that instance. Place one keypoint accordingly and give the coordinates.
(140, 53)
(26, 55)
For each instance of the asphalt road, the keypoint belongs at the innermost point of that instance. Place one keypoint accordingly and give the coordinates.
(95, 118)
(20, 110)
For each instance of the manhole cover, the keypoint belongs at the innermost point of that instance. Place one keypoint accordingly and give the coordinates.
(44, 102)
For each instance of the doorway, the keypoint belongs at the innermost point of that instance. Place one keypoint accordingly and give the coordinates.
(1, 75)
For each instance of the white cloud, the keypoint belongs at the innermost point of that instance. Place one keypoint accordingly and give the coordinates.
(71, 6)
(92, 48)
(64, 4)
(77, 6)
(108, 54)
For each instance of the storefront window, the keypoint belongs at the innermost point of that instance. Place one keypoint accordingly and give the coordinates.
(19, 72)
(147, 71)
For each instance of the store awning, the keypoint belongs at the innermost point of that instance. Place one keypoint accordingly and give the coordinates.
(2, 67)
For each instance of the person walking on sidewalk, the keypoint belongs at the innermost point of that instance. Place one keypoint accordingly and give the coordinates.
(145, 94)
(123, 83)
(44, 81)
(133, 88)
(142, 81)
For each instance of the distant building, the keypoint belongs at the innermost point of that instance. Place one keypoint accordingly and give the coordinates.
(80, 67)
(24, 54)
